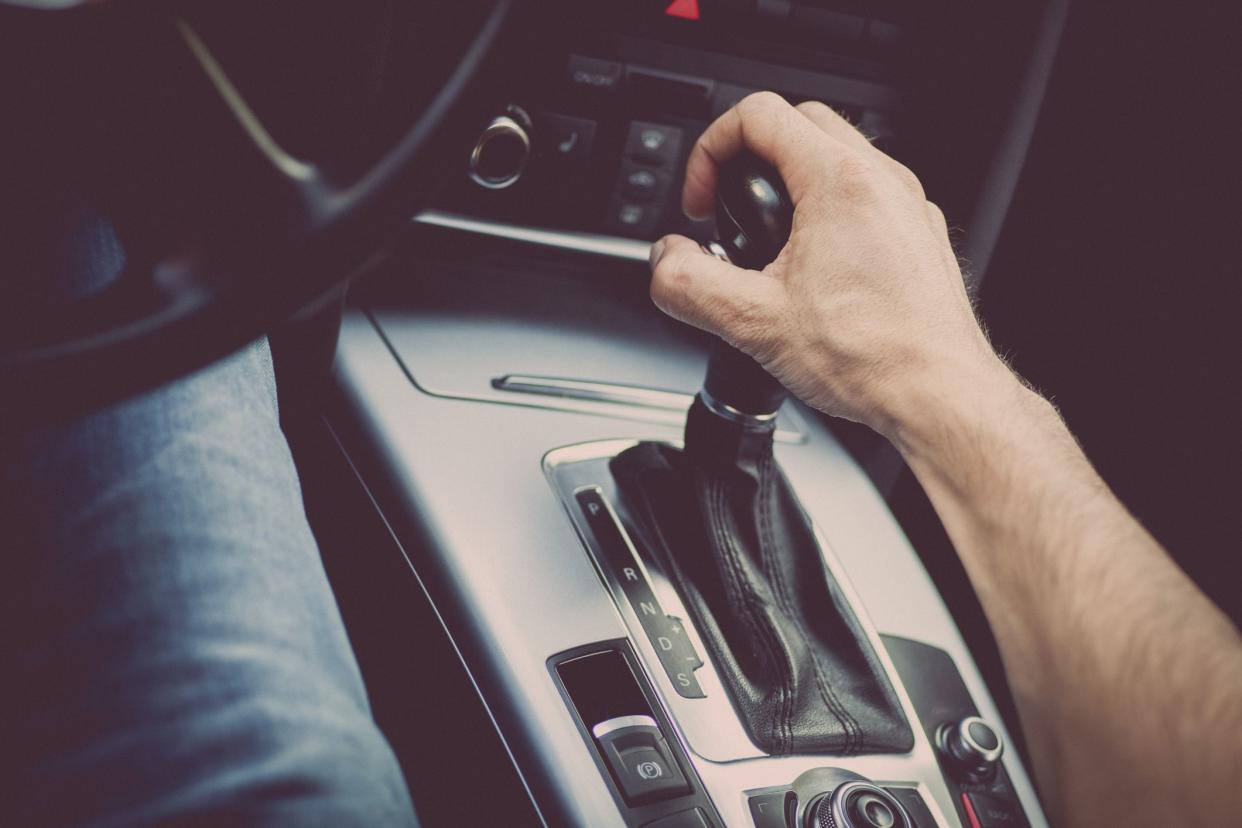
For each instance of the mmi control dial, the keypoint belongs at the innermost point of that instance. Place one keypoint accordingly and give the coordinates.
(857, 805)
(972, 746)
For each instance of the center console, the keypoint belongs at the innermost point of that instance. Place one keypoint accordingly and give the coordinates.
(493, 375)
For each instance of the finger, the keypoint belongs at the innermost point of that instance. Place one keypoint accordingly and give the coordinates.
(768, 126)
(694, 286)
(834, 124)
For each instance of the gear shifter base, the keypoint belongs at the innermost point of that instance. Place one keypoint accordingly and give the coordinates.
(797, 664)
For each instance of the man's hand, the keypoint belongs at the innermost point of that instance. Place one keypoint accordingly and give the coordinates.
(865, 314)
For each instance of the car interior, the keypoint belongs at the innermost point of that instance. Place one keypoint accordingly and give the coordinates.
(441, 213)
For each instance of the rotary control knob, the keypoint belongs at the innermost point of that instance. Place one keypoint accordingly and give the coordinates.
(972, 746)
(857, 805)
(500, 154)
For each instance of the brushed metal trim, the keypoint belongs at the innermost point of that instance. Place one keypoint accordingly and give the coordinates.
(609, 392)
(607, 726)
(654, 404)
(749, 422)
(614, 247)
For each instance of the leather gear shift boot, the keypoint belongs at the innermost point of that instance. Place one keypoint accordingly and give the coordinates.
(801, 673)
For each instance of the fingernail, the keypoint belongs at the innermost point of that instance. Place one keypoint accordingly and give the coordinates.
(657, 250)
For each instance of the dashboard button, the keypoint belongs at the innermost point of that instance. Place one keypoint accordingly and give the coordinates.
(768, 810)
(593, 74)
(566, 139)
(641, 183)
(996, 813)
(694, 818)
(654, 144)
(631, 218)
(639, 759)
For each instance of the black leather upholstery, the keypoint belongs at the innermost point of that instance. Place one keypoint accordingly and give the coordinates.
(801, 673)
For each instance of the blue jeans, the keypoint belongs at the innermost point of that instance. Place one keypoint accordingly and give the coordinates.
(172, 652)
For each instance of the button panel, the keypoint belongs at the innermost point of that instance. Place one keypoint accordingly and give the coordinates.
(607, 106)
(592, 74)
(666, 633)
(942, 700)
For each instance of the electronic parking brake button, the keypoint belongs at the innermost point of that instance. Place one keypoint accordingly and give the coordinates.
(768, 810)
(639, 759)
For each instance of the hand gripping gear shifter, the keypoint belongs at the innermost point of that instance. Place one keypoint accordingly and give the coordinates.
(798, 667)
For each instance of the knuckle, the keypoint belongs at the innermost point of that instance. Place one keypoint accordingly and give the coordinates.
(758, 104)
(855, 177)
(936, 214)
(668, 283)
(908, 179)
(814, 108)
(750, 327)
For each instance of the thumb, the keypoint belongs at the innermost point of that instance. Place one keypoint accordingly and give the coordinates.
(694, 286)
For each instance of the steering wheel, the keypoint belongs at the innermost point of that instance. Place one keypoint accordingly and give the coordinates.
(226, 230)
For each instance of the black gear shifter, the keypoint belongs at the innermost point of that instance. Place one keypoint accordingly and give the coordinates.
(730, 532)
(754, 216)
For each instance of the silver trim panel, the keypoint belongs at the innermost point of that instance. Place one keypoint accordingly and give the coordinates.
(597, 244)
(748, 422)
(612, 725)
(608, 392)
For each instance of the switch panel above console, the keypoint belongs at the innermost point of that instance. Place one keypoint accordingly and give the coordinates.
(619, 100)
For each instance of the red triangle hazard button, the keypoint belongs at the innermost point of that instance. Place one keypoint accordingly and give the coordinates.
(685, 9)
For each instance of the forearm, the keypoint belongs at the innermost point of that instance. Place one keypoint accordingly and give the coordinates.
(1086, 607)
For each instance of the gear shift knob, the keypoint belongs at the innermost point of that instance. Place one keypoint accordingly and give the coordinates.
(754, 217)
